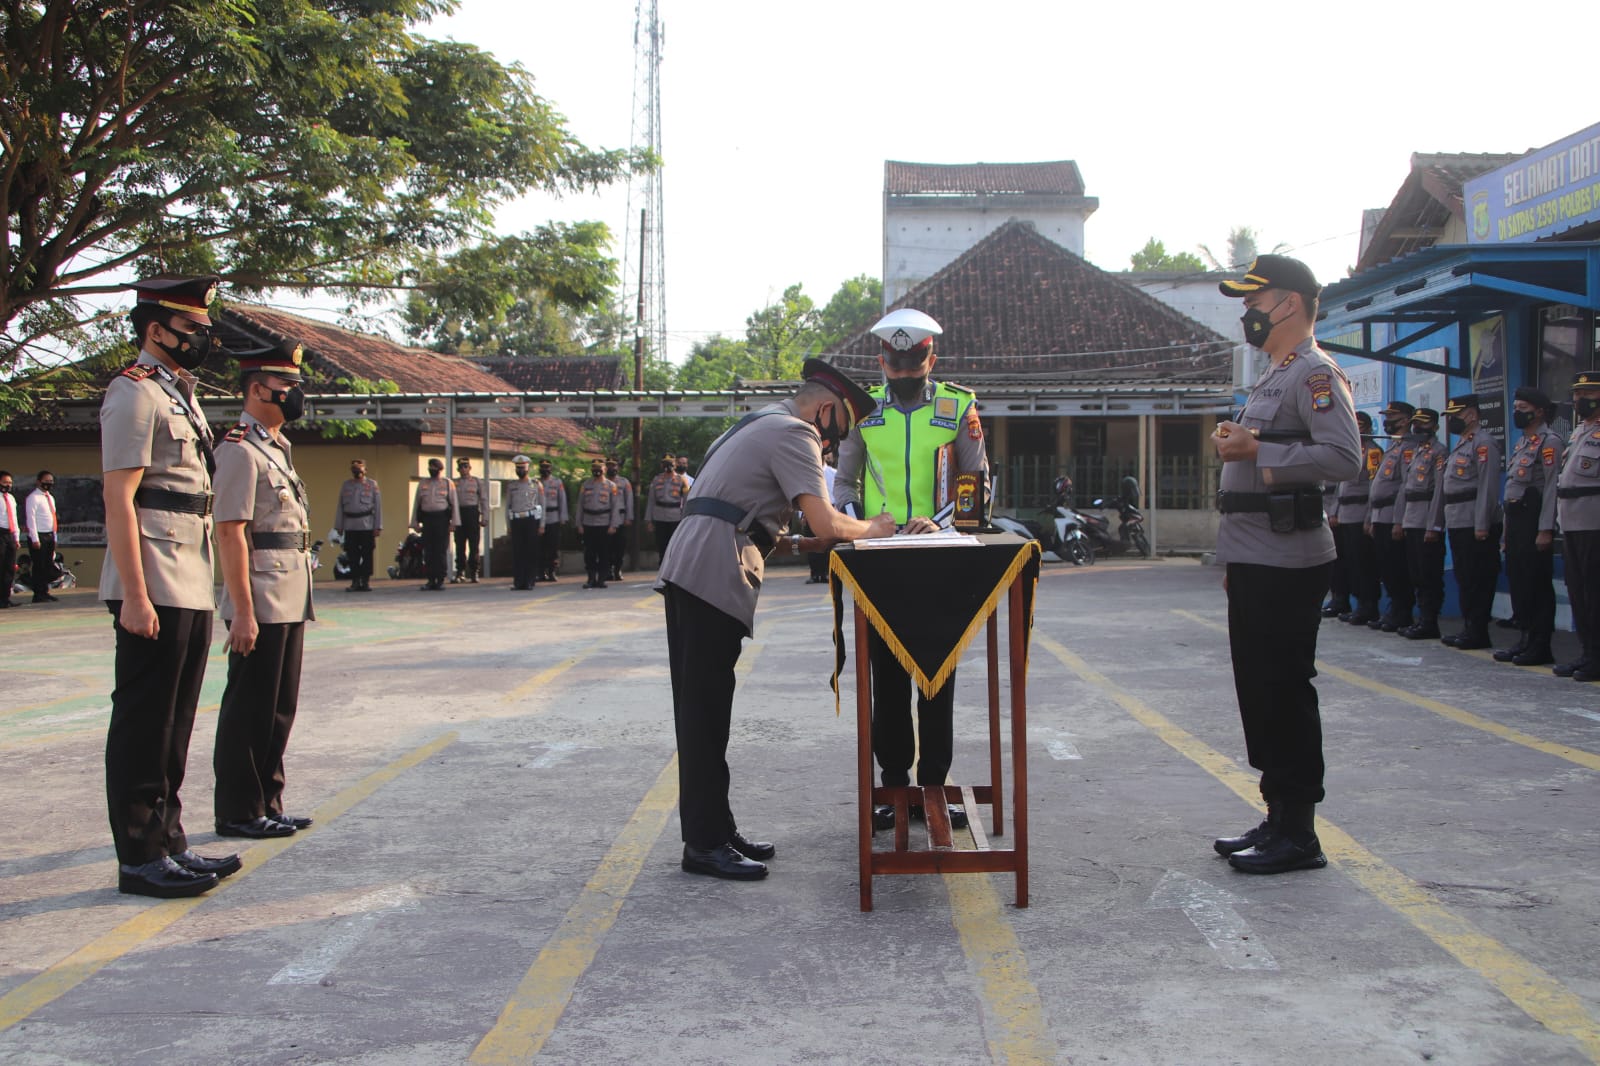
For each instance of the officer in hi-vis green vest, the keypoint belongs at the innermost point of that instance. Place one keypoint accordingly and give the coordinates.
(891, 463)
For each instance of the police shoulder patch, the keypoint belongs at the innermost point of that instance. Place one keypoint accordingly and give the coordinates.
(1549, 457)
(237, 433)
(945, 407)
(138, 372)
(957, 388)
(1483, 453)
(974, 427)
(1321, 386)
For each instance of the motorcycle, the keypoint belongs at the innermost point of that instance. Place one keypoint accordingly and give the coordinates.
(1129, 537)
(409, 561)
(22, 584)
(1059, 529)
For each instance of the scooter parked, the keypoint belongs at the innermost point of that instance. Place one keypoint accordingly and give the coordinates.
(1058, 529)
(1129, 537)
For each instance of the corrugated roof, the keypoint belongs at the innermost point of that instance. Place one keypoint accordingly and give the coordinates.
(1425, 203)
(1017, 303)
(555, 373)
(1055, 178)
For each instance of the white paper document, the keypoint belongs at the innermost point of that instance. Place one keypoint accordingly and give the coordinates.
(944, 538)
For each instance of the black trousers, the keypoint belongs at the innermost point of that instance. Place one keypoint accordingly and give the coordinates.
(358, 548)
(1360, 561)
(253, 724)
(42, 564)
(893, 742)
(1274, 614)
(1477, 566)
(616, 548)
(8, 564)
(1581, 552)
(1425, 567)
(1392, 568)
(596, 551)
(703, 646)
(550, 548)
(524, 552)
(818, 562)
(156, 691)
(1529, 571)
(436, 544)
(467, 543)
(664, 531)
(1339, 589)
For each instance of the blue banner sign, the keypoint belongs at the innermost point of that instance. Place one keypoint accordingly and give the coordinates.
(1540, 195)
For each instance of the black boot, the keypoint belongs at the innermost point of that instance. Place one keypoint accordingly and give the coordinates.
(1473, 638)
(1249, 838)
(1291, 845)
(1506, 655)
(1365, 614)
(1535, 653)
(1427, 628)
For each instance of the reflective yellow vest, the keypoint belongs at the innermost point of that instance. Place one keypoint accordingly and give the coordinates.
(902, 451)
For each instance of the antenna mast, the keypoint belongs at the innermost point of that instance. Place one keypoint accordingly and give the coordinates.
(643, 228)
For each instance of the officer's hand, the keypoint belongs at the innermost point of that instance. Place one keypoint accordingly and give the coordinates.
(1544, 539)
(882, 525)
(610, 530)
(378, 532)
(1234, 442)
(920, 525)
(1397, 533)
(242, 634)
(139, 618)
(1431, 536)
(1481, 534)
(649, 527)
(1367, 528)
(1333, 521)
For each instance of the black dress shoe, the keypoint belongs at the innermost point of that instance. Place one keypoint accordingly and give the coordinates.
(1280, 853)
(1244, 841)
(883, 816)
(722, 861)
(1473, 641)
(1452, 640)
(958, 816)
(1568, 669)
(1422, 631)
(290, 820)
(1587, 672)
(753, 849)
(164, 879)
(199, 864)
(256, 828)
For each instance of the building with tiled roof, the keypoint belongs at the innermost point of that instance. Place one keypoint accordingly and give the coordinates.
(933, 212)
(1427, 210)
(555, 373)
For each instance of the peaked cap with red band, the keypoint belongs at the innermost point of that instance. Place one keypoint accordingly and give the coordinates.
(189, 297)
(834, 380)
(283, 360)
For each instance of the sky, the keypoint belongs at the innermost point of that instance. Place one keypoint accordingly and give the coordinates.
(1186, 119)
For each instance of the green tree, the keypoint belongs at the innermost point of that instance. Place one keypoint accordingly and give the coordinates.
(782, 334)
(278, 143)
(858, 303)
(1154, 256)
(1242, 244)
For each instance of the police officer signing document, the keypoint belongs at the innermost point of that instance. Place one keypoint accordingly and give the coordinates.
(1297, 431)
(712, 575)
(156, 451)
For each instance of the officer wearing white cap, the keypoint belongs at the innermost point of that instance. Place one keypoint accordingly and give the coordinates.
(1468, 503)
(1530, 509)
(1578, 513)
(156, 452)
(890, 465)
(264, 541)
(524, 512)
(1296, 431)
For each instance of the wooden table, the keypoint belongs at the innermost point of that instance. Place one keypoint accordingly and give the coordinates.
(875, 577)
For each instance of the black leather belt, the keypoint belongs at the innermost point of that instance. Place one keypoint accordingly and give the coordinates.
(733, 514)
(1418, 495)
(1460, 497)
(1352, 499)
(358, 514)
(1256, 502)
(181, 502)
(602, 510)
(298, 541)
(1383, 502)
(1573, 492)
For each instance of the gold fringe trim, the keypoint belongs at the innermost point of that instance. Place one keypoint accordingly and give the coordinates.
(929, 686)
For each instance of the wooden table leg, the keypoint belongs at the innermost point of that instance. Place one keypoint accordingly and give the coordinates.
(1016, 626)
(864, 756)
(996, 780)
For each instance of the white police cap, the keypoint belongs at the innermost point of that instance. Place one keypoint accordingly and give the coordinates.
(905, 330)
(521, 460)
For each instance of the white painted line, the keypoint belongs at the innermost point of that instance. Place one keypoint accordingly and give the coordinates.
(1057, 744)
(1211, 910)
(1581, 713)
(316, 963)
(1398, 660)
(555, 752)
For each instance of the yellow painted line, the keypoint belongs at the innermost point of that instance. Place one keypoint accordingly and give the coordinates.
(1586, 759)
(530, 1016)
(1013, 1012)
(540, 602)
(1532, 988)
(542, 678)
(655, 599)
(82, 964)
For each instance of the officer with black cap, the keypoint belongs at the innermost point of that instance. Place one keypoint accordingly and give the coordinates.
(1296, 431)
(264, 541)
(155, 448)
(1358, 554)
(599, 518)
(1385, 506)
(1422, 528)
(555, 517)
(712, 576)
(1467, 503)
(1578, 514)
(617, 540)
(435, 512)
(1530, 509)
(524, 512)
(663, 508)
(472, 497)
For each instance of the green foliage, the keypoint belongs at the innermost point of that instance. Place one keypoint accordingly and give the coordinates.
(781, 335)
(278, 143)
(857, 305)
(1154, 257)
(351, 428)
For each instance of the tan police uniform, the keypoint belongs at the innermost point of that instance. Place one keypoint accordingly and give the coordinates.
(1418, 518)
(617, 541)
(1467, 502)
(1578, 514)
(357, 520)
(1530, 509)
(555, 517)
(435, 512)
(524, 512)
(599, 516)
(472, 497)
(663, 507)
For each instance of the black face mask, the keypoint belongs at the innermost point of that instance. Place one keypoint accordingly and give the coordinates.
(682, 468)
(1522, 419)
(522, 473)
(908, 390)
(1258, 324)
(1455, 424)
(831, 434)
(191, 350)
(1586, 407)
(1394, 425)
(292, 401)
(1421, 431)
(544, 471)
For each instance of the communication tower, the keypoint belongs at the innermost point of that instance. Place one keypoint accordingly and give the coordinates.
(644, 273)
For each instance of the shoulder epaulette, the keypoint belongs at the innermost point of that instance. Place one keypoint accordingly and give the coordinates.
(957, 388)
(237, 433)
(138, 372)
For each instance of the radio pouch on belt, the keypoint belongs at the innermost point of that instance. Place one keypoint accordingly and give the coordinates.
(1308, 509)
(1281, 508)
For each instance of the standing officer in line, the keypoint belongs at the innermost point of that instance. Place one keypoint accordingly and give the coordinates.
(10, 538)
(41, 522)
(617, 544)
(555, 517)
(264, 540)
(1384, 508)
(472, 495)
(712, 577)
(1421, 529)
(1530, 509)
(1297, 430)
(435, 512)
(1467, 504)
(1354, 501)
(663, 508)
(524, 509)
(1578, 514)
(359, 520)
(1339, 589)
(897, 447)
(155, 449)
(599, 518)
